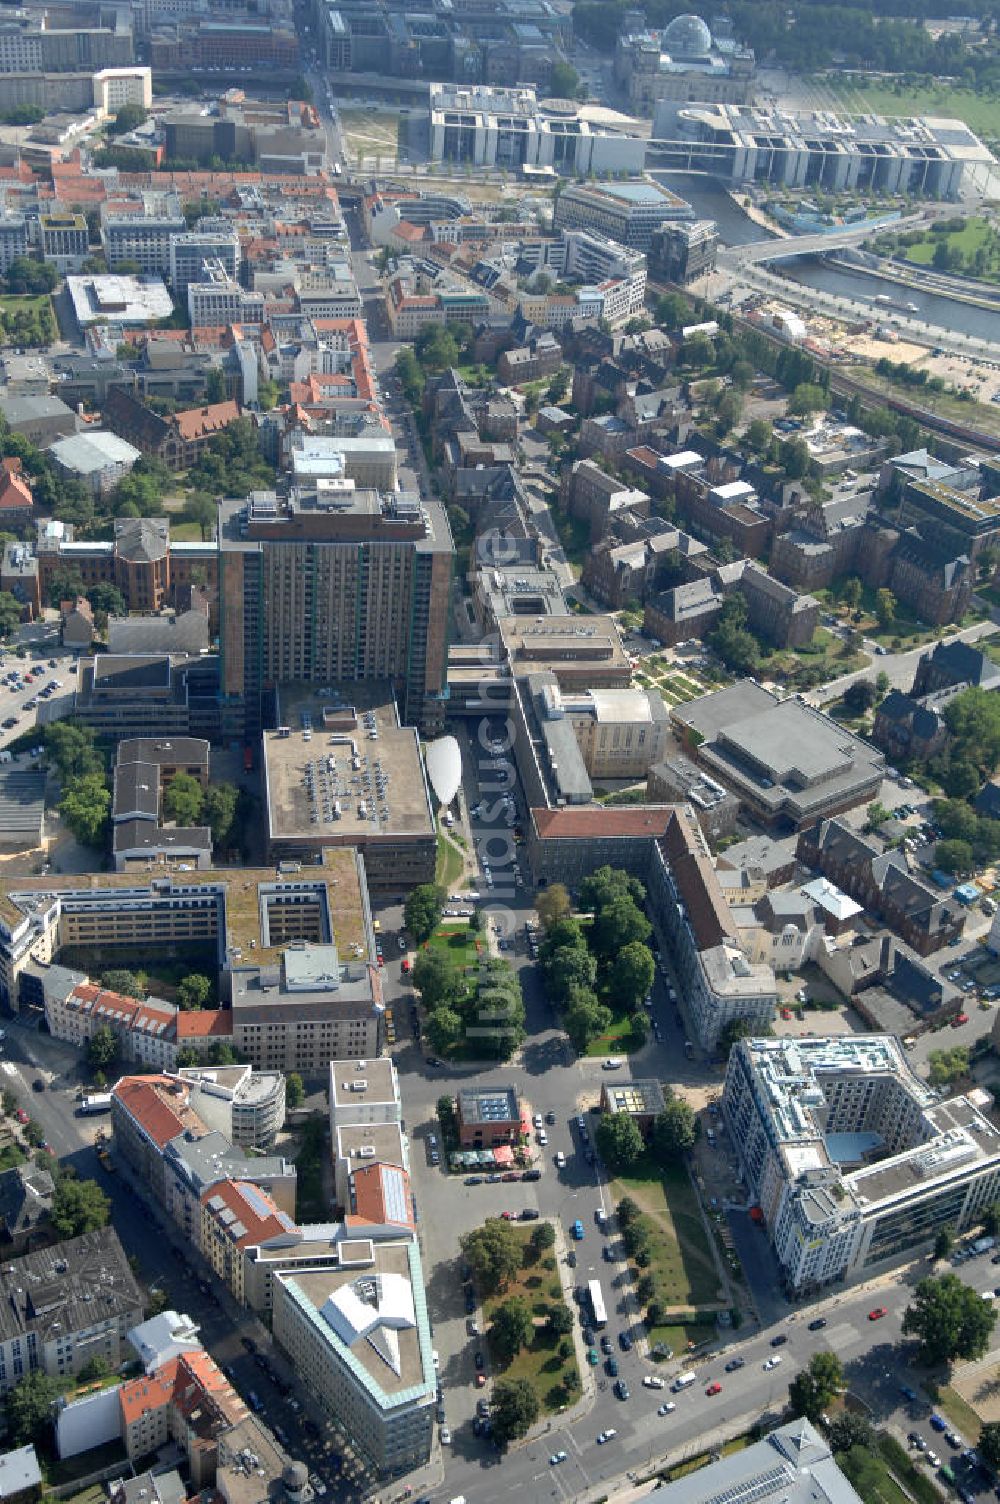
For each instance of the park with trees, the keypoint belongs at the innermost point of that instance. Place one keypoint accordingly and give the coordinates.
(528, 1324)
(597, 966)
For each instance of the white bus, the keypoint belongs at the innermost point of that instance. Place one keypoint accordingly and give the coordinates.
(597, 1310)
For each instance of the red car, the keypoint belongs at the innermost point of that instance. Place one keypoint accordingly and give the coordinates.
(507, 1216)
(959, 1020)
(877, 1314)
(405, 965)
(22, 1116)
(715, 1388)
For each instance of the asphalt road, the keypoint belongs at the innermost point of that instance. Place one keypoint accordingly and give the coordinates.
(900, 667)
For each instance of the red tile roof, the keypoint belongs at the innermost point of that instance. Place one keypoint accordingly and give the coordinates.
(159, 1106)
(195, 422)
(596, 821)
(15, 493)
(377, 1190)
(247, 1215)
(206, 1023)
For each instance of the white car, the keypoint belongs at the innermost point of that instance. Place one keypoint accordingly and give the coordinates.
(772, 1363)
(606, 1436)
(445, 1436)
(543, 1137)
(538, 1120)
(613, 1063)
(402, 942)
(652, 1382)
(667, 1409)
(436, 1359)
(560, 1160)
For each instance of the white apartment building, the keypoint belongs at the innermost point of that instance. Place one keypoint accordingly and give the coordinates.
(620, 732)
(363, 1091)
(114, 88)
(189, 252)
(627, 212)
(216, 298)
(359, 1339)
(143, 237)
(852, 1159)
(248, 1106)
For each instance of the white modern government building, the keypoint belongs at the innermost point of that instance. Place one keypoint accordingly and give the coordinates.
(851, 1157)
(934, 158)
(495, 127)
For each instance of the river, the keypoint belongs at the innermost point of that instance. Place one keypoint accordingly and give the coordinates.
(711, 201)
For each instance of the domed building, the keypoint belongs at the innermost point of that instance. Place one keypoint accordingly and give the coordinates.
(687, 40)
(683, 62)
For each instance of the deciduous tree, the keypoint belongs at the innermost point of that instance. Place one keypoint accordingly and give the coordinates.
(514, 1410)
(494, 1251)
(950, 1319)
(619, 1141)
(422, 911)
(78, 1206)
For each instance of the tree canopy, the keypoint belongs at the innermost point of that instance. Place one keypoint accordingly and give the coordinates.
(814, 1387)
(183, 799)
(632, 974)
(422, 911)
(512, 1328)
(494, 1251)
(950, 1319)
(619, 1141)
(514, 1409)
(674, 1131)
(28, 1408)
(85, 806)
(78, 1206)
(194, 991)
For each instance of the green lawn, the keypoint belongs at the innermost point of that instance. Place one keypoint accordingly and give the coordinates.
(24, 302)
(681, 1261)
(538, 1284)
(450, 863)
(617, 1040)
(958, 1410)
(185, 532)
(871, 1478)
(977, 110)
(968, 241)
(680, 1337)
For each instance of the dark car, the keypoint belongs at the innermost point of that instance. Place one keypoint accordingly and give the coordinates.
(607, 1254)
(588, 1337)
(779, 1340)
(38, 1084)
(550, 1118)
(818, 1324)
(532, 1175)
(470, 1302)
(529, 1214)
(433, 1060)
(612, 1367)
(571, 1259)
(579, 1294)
(473, 1180)
(734, 1364)
(606, 1344)
(479, 1360)
(622, 1389)
(625, 1342)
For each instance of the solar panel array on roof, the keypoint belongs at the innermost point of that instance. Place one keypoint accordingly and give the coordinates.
(394, 1193)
